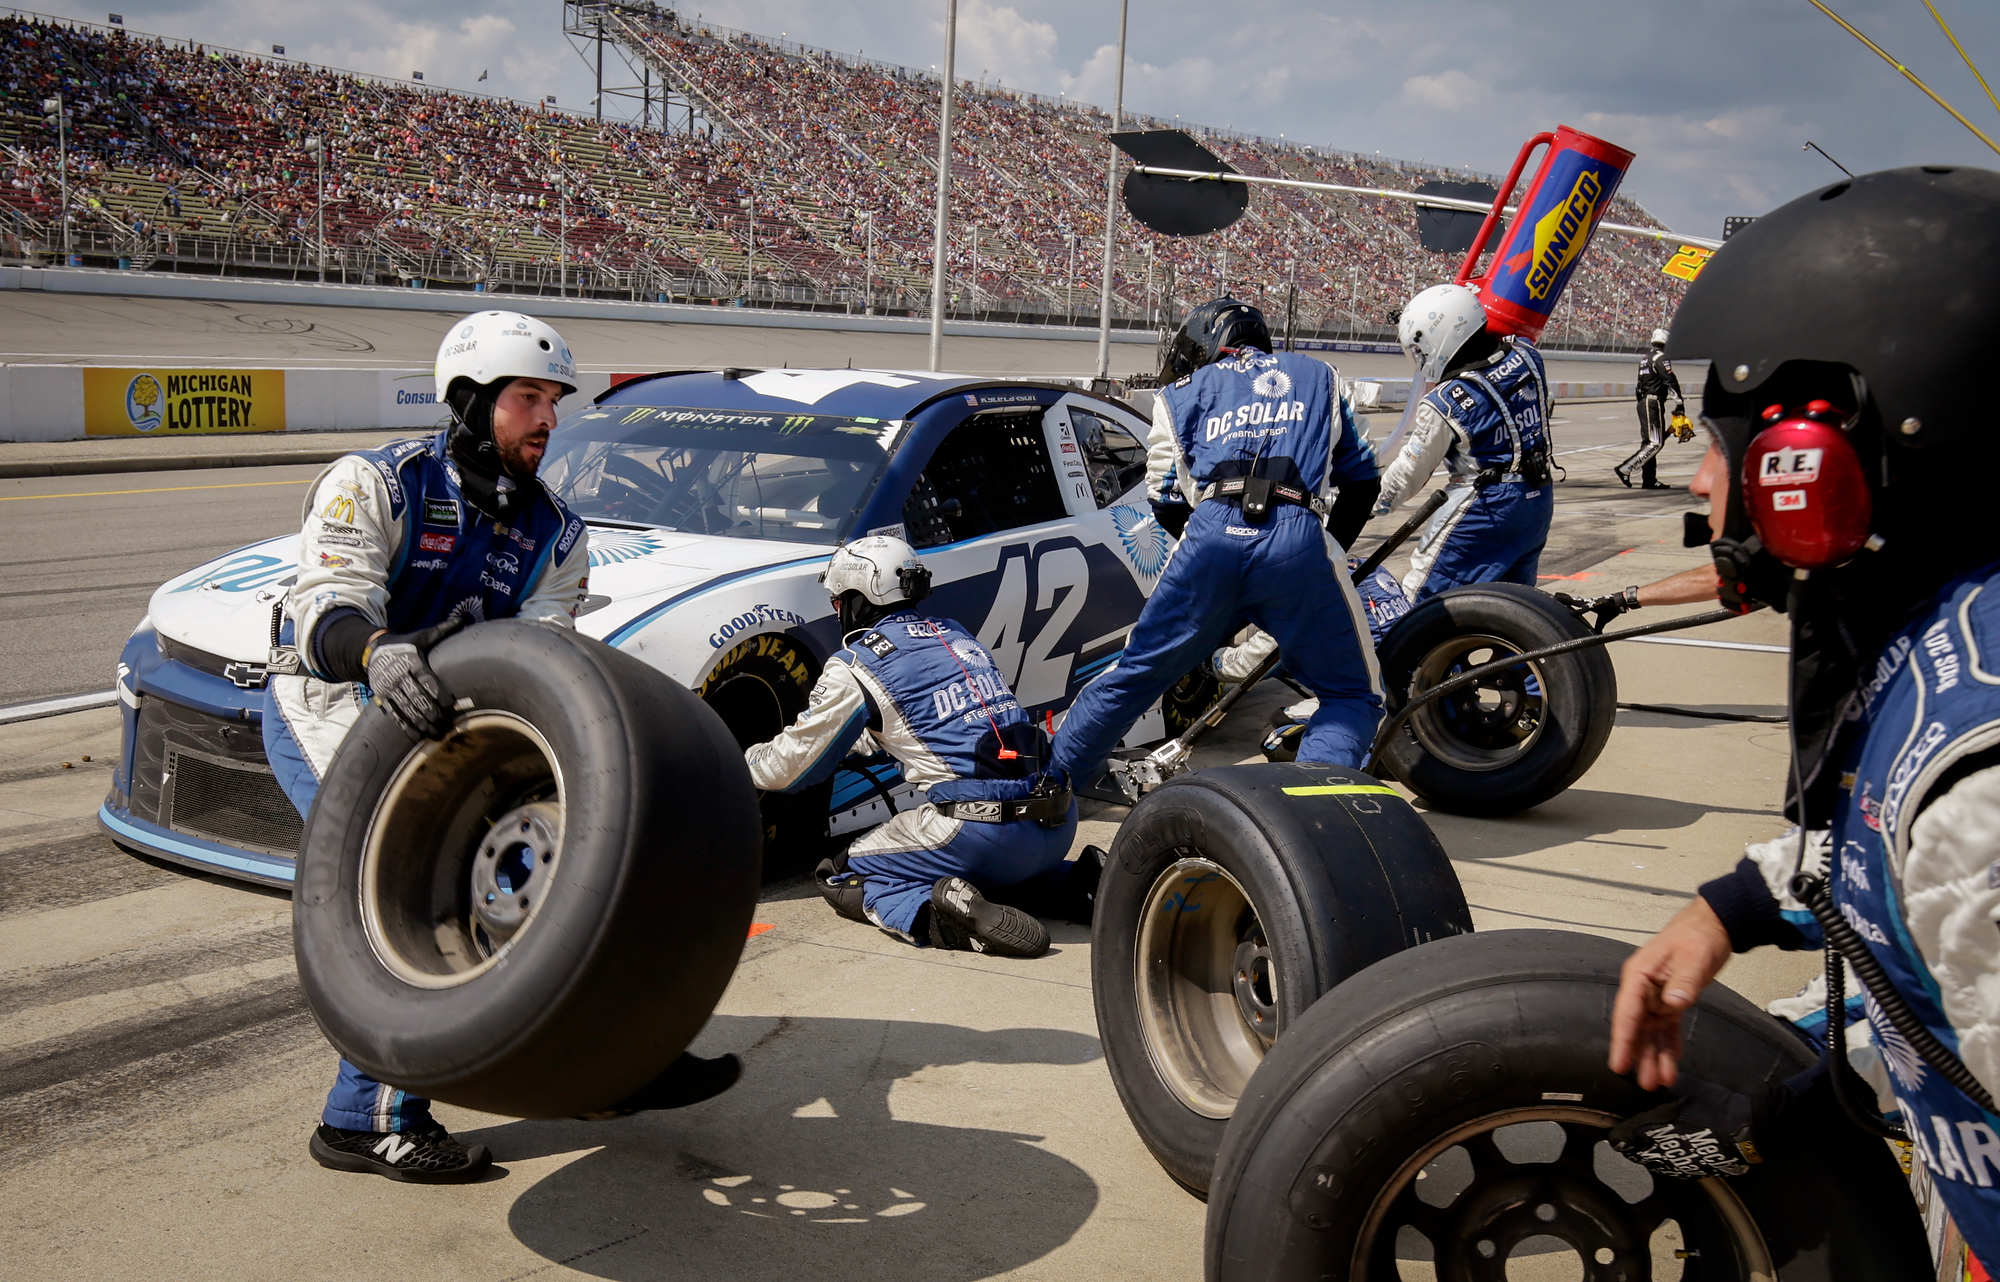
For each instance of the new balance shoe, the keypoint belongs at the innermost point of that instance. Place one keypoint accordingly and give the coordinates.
(428, 1155)
(961, 917)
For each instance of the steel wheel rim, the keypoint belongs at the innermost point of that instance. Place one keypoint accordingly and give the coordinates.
(1207, 992)
(463, 851)
(1475, 1232)
(1492, 724)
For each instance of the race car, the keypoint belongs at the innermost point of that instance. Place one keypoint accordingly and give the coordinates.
(714, 499)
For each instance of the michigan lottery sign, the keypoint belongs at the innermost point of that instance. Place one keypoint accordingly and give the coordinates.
(168, 402)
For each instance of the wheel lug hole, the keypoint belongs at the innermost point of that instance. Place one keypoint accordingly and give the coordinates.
(1545, 1213)
(1486, 1248)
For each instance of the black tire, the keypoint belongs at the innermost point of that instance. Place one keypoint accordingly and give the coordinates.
(1184, 702)
(1480, 1062)
(1231, 901)
(757, 689)
(536, 914)
(1518, 737)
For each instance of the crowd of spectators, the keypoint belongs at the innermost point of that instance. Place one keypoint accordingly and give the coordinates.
(786, 168)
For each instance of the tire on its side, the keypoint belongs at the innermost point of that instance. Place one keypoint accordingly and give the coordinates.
(757, 688)
(1520, 736)
(1477, 1066)
(536, 914)
(1233, 898)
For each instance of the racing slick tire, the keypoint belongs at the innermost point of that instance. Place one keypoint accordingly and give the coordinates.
(757, 689)
(1450, 1105)
(535, 914)
(1184, 702)
(1519, 736)
(1232, 899)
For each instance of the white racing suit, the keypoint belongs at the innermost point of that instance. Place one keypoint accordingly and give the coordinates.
(388, 533)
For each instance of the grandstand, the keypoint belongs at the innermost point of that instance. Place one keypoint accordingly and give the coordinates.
(795, 177)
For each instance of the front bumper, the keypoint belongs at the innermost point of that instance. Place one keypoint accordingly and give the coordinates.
(192, 785)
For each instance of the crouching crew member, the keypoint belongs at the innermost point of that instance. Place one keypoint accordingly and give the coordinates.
(928, 693)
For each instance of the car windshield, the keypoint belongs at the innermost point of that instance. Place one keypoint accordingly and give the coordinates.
(798, 478)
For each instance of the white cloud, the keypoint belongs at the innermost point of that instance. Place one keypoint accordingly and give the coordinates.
(997, 38)
(1448, 90)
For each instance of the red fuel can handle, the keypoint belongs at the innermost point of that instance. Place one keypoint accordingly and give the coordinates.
(1570, 194)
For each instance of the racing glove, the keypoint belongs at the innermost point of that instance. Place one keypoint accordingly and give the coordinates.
(403, 683)
(1601, 610)
(1680, 407)
(1173, 517)
(1704, 1130)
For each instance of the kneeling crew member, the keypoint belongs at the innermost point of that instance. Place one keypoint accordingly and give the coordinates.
(1488, 421)
(928, 693)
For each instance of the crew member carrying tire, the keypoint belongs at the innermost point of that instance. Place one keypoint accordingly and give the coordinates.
(928, 693)
(1656, 379)
(401, 547)
(1848, 466)
(1259, 443)
(1488, 421)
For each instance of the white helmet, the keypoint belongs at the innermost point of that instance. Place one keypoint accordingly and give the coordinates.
(486, 347)
(1436, 324)
(881, 567)
(1659, 338)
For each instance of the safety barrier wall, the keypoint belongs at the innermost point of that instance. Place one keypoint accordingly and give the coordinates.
(70, 402)
(1388, 393)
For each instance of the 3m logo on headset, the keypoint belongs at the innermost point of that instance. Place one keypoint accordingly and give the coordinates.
(1805, 488)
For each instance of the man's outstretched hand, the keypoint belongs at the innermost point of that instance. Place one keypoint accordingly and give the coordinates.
(1657, 986)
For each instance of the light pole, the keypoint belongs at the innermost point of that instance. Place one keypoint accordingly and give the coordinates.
(1069, 281)
(943, 184)
(868, 289)
(1111, 208)
(975, 271)
(749, 203)
(317, 147)
(55, 106)
(562, 232)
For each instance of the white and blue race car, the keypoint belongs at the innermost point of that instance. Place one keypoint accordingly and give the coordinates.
(714, 500)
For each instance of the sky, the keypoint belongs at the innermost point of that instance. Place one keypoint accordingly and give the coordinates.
(1716, 97)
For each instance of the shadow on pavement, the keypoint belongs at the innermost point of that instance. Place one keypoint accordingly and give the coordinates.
(801, 1171)
(1577, 815)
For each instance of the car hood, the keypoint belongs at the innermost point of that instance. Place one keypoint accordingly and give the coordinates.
(226, 606)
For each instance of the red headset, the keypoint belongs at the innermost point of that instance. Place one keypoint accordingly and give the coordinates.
(1806, 489)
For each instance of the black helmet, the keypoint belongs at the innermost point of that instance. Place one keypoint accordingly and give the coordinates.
(1217, 326)
(1866, 306)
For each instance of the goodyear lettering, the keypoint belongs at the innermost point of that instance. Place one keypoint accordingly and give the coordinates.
(1559, 236)
(753, 617)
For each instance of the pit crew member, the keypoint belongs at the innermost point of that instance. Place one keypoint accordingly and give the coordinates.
(927, 692)
(1656, 379)
(1488, 422)
(1258, 442)
(1850, 466)
(400, 547)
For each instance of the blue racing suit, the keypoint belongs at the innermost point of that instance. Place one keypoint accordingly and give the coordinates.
(1251, 417)
(1490, 425)
(928, 693)
(388, 534)
(1914, 871)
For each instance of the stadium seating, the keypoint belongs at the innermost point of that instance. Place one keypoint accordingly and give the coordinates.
(768, 188)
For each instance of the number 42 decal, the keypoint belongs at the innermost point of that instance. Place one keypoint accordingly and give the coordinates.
(1058, 580)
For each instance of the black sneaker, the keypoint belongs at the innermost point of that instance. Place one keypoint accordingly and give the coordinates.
(688, 1080)
(1624, 477)
(427, 1155)
(961, 917)
(1657, 485)
(841, 889)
